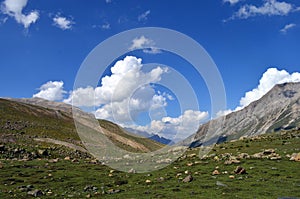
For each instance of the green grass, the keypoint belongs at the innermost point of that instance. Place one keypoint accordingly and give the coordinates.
(36, 121)
(150, 144)
(264, 179)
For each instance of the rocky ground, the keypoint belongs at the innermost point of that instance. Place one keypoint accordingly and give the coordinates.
(265, 166)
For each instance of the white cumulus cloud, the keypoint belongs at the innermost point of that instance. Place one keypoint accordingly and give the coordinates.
(176, 128)
(127, 110)
(14, 8)
(268, 80)
(123, 94)
(287, 27)
(269, 8)
(52, 90)
(62, 22)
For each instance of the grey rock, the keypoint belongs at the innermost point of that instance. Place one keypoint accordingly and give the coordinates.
(240, 170)
(113, 191)
(188, 178)
(35, 193)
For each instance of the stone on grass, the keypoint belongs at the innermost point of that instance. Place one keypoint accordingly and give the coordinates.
(35, 193)
(188, 178)
(216, 172)
(295, 157)
(240, 170)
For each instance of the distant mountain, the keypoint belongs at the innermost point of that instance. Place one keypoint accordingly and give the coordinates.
(39, 118)
(277, 110)
(151, 136)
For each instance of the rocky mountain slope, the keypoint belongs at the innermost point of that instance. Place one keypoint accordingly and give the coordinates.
(39, 118)
(277, 110)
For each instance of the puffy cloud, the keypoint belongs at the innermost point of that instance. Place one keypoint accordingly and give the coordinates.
(176, 128)
(232, 2)
(287, 27)
(144, 16)
(123, 94)
(269, 79)
(14, 9)
(52, 90)
(269, 8)
(62, 22)
(144, 43)
(81, 97)
(127, 110)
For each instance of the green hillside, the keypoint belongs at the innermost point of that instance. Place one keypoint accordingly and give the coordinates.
(31, 121)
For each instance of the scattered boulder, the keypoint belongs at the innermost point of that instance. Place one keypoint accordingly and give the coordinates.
(268, 151)
(148, 181)
(43, 152)
(35, 193)
(90, 188)
(178, 175)
(267, 154)
(160, 179)
(233, 161)
(240, 170)
(216, 158)
(131, 171)
(67, 158)
(113, 191)
(295, 157)
(216, 172)
(231, 177)
(243, 156)
(188, 178)
(192, 155)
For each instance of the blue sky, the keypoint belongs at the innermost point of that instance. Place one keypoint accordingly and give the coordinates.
(42, 41)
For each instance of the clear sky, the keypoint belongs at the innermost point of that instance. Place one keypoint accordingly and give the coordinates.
(42, 41)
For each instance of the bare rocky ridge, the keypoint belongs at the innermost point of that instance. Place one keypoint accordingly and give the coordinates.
(278, 110)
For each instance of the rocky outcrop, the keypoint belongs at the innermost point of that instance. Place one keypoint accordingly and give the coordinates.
(278, 110)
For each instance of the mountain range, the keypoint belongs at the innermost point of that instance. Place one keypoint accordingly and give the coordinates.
(277, 110)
